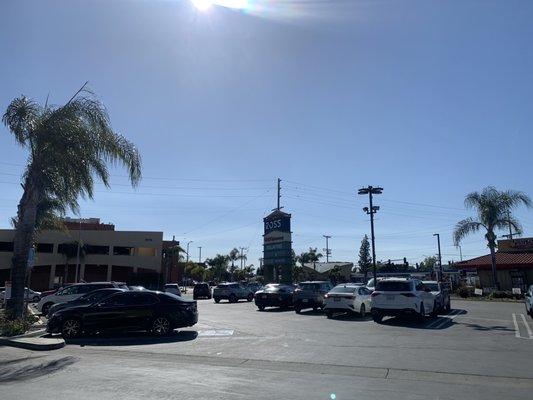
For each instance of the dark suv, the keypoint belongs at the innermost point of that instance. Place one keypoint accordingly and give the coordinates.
(201, 290)
(311, 295)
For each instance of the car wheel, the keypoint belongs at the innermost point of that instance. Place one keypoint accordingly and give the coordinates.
(315, 308)
(261, 308)
(297, 310)
(71, 328)
(448, 306)
(362, 311)
(377, 317)
(194, 297)
(160, 326)
(435, 311)
(46, 308)
(232, 298)
(329, 314)
(250, 297)
(217, 300)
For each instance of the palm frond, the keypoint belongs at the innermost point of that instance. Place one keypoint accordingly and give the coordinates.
(464, 228)
(21, 117)
(515, 199)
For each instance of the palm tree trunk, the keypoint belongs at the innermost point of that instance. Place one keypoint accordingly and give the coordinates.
(494, 272)
(25, 228)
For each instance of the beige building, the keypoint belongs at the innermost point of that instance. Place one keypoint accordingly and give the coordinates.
(128, 256)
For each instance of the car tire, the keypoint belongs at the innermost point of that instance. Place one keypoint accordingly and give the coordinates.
(232, 298)
(194, 297)
(46, 308)
(362, 311)
(160, 326)
(377, 317)
(297, 310)
(329, 314)
(217, 300)
(250, 297)
(261, 308)
(315, 309)
(448, 306)
(71, 328)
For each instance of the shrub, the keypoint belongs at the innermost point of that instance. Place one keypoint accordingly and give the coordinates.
(16, 327)
(462, 291)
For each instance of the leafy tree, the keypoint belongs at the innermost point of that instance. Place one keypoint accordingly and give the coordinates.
(493, 209)
(428, 264)
(365, 259)
(310, 256)
(68, 147)
(218, 266)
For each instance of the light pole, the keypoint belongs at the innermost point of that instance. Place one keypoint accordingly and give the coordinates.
(327, 250)
(188, 243)
(372, 210)
(460, 252)
(199, 254)
(440, 257)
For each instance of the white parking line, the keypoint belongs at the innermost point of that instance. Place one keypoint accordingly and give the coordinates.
(446, 320)
(439, 322)
(527, 326)
(516, 329)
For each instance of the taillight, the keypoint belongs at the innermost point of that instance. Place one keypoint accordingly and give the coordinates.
(408, 294)
(374, 294)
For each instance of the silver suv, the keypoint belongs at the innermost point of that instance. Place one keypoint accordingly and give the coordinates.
(311, 295)
(232, 292)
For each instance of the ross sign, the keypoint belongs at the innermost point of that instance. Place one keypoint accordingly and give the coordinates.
(277, 237)
(280, 224)
(277, 246)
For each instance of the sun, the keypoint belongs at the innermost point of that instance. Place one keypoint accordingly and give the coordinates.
(203, 5)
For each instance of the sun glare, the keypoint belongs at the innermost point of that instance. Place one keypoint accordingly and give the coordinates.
(202, 5)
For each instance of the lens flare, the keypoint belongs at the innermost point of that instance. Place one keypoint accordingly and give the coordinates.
(204, 5)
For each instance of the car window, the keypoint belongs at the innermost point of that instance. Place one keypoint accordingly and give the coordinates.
(69, 290)
(434, 287)
(343, 289)
(119, 299)
(393, 286)
(140, 299)
(309, 286)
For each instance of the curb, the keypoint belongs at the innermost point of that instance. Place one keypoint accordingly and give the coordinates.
(33, 343)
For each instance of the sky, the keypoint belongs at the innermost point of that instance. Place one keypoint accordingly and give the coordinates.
(428, 99)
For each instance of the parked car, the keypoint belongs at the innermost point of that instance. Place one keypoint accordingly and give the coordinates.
(173, 288)
(201, 290)
(353, 299)
(401, 296)
(528, 297)
(371, 284)
(85, 300)
(274, 295)
(310, 295)
(233, 292)
(442, 295)
(29, 294)
(72, 292)
(156, 312)
(255, 286)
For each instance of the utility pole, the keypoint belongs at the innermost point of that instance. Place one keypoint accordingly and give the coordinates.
(460, 252)
(279, 196)
(200, 254)
(188, 243)
(372, 210)
(440, 257)
(327, 250)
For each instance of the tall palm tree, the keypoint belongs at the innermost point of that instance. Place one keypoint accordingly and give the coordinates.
(68, 146)
(493, 209)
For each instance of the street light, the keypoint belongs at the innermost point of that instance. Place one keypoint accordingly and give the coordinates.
(188, 243)
(370, 190)
(440, 258)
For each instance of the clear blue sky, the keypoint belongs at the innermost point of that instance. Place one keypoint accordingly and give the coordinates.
(429, 99)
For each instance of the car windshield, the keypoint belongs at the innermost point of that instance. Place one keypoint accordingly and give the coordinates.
(393, 286)
(434, 287)
(343, 289)
(271, 288)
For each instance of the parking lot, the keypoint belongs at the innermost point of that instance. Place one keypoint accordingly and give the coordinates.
(479, 350)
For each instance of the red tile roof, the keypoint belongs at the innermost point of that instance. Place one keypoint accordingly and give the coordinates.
(503, 260)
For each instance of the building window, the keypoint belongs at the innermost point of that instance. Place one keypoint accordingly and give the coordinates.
(146, 251)
(44, 248)
(123, 251)
(6, 246)
(92, 249)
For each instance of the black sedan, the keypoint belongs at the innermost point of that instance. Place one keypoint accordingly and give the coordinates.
(156, 312)
(274, 295)
(87, 299)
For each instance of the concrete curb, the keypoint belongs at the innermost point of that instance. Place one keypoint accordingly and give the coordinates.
(33, 343)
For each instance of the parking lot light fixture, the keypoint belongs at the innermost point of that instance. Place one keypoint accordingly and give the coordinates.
(370, 190)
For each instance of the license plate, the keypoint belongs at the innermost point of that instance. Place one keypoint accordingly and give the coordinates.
(390, 298)
(336, 299)
(305, 300)
(264, 296)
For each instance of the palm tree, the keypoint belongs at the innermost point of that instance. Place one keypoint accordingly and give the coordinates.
(68, 146)
(493, 212)
(70, 251)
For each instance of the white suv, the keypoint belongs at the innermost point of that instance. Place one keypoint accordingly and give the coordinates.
(72, 292)
(233, 292)
(401, 296)
(529, 301)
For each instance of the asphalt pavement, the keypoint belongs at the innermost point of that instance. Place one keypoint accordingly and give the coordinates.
(479, 350)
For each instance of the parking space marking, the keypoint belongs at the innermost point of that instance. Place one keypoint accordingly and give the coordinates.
(216, 332)
(441, 321)
(527, 326)
(516, 328)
